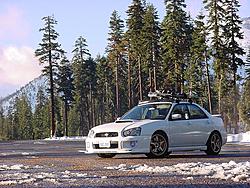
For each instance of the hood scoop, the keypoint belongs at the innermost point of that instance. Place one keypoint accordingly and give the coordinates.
(124, 121)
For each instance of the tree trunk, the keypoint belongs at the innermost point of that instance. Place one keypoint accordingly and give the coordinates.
(117, 88)
(140, 80)
(81, 117)
(155, 83)
(235, 111)
(52, 100)
(219, 95)
(208, 86)
(150, 81)
(66, 117)
(129, 85)
(90, 107)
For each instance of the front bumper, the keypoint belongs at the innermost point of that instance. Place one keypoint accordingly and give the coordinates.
(123, 145)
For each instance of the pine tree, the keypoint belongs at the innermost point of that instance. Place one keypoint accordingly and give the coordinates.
(2, 124)
(105, 94)
(244, 105)
(234, 52)
(91, 78)
(216, 15)
(197, 74)
(10, 123)
(65, 88)
(80, 56)
(134, 22)
(23, 127)
(41, 119)
(176, 31)
(151, 40)
(49, 53)
(116, 56)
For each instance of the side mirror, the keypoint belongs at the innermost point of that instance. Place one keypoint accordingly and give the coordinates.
(176, 116)
(117, 119)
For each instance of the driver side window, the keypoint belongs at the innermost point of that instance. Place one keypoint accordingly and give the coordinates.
(180, 112)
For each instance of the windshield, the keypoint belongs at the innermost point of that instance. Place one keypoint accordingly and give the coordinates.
(149, 111)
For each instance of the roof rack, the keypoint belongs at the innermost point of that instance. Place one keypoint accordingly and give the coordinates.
(170, 96)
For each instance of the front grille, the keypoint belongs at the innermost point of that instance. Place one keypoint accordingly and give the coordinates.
(107, 134)
(112, 146)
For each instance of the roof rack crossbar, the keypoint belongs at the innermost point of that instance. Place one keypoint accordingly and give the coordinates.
(170, 96)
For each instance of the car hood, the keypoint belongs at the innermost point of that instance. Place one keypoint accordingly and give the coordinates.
(119, 125)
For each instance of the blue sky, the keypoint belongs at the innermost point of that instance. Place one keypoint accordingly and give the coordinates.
(20, 21)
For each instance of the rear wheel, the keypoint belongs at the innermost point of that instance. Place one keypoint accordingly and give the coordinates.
(106, 155)
(158, 146)
(214, 144)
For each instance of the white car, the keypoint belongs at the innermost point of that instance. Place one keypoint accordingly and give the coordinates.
(157, 129)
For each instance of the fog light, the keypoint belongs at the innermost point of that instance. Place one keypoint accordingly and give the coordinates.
(133, 143)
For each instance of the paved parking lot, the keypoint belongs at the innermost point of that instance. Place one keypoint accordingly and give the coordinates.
(63, 164)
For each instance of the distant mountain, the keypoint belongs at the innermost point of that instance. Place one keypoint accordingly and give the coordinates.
(30, 90)
(245, 43)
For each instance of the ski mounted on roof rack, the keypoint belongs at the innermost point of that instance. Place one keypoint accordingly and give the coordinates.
(169, 96)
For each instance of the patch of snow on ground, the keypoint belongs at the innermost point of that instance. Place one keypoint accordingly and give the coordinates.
(19, 174)
(225, 171)
(66, 138)
(239, 138)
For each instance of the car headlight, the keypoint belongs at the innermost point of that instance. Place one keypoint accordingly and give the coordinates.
(91, 133)
(132, 132)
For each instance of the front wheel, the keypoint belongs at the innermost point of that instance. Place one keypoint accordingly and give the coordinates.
(214, 144)
(158, 146)
(106, 155)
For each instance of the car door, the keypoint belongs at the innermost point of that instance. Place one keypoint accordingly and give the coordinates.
(179, 128)
(200, 125)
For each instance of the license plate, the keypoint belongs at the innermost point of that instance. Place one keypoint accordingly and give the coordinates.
(104, 144)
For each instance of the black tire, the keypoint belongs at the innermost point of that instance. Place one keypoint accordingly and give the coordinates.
(106, 155)
(214, 144)
(158, 146)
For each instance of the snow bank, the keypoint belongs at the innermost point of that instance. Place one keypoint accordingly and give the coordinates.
(66, 138)
(225, 171)
(241, 137)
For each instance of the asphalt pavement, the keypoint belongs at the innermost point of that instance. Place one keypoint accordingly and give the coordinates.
(42, 163)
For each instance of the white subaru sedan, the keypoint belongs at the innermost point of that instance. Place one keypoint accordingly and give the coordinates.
(157, 129)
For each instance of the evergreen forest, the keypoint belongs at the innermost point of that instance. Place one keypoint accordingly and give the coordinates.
(198, 56)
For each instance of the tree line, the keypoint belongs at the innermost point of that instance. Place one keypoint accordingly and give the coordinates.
(200, 57)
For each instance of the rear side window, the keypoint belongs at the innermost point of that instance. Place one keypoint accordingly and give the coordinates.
(196, 113)
(182, 110)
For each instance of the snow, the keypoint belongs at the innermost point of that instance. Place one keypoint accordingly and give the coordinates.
(19, 174)
(239, 138)
(30, 90)
(236, 172)
(66, 138)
